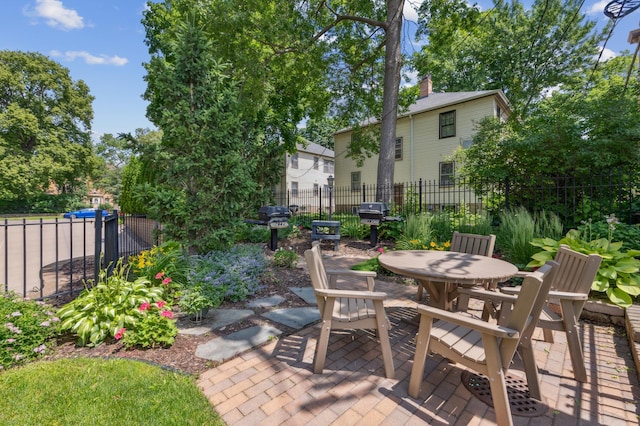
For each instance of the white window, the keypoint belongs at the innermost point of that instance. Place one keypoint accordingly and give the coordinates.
(294, 161)
(316, 188)
(355, 181)
(328, 166)
(316, 162)
(447, 124)
(398, 149)
(446, 173)
(294, 189)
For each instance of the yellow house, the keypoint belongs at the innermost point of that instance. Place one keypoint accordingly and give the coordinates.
(426, 137)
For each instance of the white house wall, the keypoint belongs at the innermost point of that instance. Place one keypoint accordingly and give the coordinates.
(420, 159)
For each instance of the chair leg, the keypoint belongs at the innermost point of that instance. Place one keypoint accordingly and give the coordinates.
(321, 347)
(573, 342)
(531, 369)
(420, 357)
(495, 374)
(385, 343)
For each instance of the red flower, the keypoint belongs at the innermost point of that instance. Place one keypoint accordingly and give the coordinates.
(166, 281)
(145, 306)
(119, 333)
(161, 304)
(167, 314)
(159, 275)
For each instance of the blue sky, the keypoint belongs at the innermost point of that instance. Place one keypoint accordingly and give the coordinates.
(102, 43)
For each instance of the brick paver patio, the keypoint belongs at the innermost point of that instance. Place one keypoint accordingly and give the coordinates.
(274, 384)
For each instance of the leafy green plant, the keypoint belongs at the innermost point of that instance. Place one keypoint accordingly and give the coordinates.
(26, 329)
(630, 234)
(166, 265)
(193, 300)
(285, 258)
(155, 327)
(231, 274)
(111, 305)
(618, 275)
(355, 230)
(518, 227)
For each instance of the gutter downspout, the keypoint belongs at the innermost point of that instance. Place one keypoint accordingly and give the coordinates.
(411, 164)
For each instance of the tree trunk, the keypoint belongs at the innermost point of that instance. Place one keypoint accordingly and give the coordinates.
(392, 67)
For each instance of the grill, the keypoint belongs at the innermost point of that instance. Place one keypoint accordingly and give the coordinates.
(274, 218)
(373, 214)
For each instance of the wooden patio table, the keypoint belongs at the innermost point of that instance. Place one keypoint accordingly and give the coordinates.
(441, 272)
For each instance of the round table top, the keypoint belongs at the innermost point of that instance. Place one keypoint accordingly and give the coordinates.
(447, 266)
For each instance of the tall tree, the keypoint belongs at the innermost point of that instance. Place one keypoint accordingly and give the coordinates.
(45, 126)
(573, 132)
(203, 188)
(302, 59)
(521, 51)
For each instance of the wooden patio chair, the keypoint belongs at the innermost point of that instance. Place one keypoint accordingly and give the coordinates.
(335, 274)
(470, 244)
(487, 348)
(569, 290)
(346, 310)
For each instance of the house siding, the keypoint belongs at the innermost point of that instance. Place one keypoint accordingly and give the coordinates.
(423, 149)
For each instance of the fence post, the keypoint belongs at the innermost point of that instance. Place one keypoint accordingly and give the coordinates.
(97, 260)
(320, 202)
(420, 195)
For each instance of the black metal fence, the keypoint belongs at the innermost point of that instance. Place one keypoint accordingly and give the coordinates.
(573, 199)
(44, 258)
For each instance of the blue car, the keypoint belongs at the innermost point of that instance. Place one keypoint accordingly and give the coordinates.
(90, 213)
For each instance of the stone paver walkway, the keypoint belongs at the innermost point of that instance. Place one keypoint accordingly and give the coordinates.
(274, 384)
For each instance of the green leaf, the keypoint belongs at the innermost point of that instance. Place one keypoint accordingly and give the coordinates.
(619, 297)
(600, 285)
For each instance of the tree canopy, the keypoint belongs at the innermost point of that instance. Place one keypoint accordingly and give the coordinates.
(521, 51)
(45, 126)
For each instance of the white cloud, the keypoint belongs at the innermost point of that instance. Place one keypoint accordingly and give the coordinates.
(598, 8)
(56, 15)
(410, 11)
(71, 55)
(607, 54)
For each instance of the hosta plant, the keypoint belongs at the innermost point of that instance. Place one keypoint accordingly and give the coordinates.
(109, 306)
(618, 275)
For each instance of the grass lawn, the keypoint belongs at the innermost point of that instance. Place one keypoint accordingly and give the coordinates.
(86, 391)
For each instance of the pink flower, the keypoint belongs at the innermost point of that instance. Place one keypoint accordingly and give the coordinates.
(145, 306)
(159, 275)
(167, 314)
(380, 249)
(119, 333)
(166, 281)
(161, 304)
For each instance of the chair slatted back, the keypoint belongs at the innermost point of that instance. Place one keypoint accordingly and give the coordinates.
(317, 272)
(577, 270)
(473, 243)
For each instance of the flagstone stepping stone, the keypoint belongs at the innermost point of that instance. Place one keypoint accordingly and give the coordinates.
(215, 319)
(226, 347)
(266, 302)
(294, 317)
(305, 293)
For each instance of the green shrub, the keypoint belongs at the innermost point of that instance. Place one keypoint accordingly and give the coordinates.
(353, 229)
(285, 258)
(618, 274)
(26, 329)
(518, 228)
(629, 234)
(231, 274)
(111, 305)
(154, 327)
(166, 266)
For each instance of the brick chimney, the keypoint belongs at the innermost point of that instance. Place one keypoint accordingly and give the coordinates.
(426, 86)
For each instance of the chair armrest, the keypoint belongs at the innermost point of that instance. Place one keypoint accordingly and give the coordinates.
(351, 294)
(567, 295)
(553, 294)
(523, 274)
(487, 295)
(469, 322)
(351, 272)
